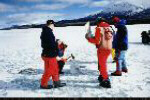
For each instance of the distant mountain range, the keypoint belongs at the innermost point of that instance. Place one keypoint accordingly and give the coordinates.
(133, 14)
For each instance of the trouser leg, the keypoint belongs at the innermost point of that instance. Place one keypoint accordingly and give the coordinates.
(121, 61)
(61, 65)
(124, 66)
(46, 75)
(103, 55)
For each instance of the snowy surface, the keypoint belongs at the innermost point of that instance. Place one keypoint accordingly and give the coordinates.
(20, 49)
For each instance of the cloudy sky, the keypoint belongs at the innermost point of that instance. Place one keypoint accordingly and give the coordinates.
(14, 12)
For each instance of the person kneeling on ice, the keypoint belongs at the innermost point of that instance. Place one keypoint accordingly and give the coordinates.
(103, 41)
(121, 46)
(49, 54)
(60, 58)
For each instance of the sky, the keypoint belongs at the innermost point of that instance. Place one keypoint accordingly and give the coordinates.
(19, 12)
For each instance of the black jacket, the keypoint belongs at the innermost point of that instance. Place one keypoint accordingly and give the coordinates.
(121, 38)
(48, 43)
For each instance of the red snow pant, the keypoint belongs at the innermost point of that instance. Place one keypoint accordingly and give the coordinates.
(50, 69)
(102, 59)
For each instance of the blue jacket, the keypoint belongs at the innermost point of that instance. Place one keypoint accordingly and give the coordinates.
(48, 43)
(120, 41)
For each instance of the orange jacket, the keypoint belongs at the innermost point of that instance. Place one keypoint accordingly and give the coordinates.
(98, 39)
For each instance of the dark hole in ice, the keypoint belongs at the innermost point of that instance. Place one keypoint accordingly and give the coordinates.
(29, 71)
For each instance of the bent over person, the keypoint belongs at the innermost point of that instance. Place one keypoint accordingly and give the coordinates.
(49, 54)
(103, 41)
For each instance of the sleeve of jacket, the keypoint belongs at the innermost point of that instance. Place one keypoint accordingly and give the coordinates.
(96, 38)
(54, 45)
(52, 41)
(122, 33)
(48, 39)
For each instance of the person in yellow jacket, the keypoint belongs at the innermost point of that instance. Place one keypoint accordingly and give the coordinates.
(113, 54)
(113, 47)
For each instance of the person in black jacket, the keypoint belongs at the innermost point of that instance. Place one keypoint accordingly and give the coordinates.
(49, 54)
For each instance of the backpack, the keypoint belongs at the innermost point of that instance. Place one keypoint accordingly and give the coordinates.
(106, 37)
(106, 32)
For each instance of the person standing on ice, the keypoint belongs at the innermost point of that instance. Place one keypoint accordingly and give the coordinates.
(49, 54)
(121, 46)
(103, 41)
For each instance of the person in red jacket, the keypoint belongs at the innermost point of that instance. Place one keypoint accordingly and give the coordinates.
(49, 54)
(103, 41)
(61, 59)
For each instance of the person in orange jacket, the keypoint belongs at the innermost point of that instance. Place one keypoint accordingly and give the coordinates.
(103, 41)
(49, 54)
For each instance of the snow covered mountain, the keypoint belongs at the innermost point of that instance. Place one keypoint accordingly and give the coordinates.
(125, 10)
(122, 7)
(145, 14)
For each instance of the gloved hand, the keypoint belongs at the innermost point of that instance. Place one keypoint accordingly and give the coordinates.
(86, 36)
(64, 59)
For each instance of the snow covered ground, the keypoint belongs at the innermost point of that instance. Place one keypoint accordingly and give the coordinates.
(20, 49)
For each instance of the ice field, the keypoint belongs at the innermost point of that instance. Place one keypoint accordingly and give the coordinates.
(20, 49)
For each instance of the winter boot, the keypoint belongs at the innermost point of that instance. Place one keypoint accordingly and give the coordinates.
(100, 78)
(48, 87)
(105, 84)
(58, 84)
(116, 73)
(125, 70)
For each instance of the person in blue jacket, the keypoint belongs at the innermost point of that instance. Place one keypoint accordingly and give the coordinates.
(121, 46)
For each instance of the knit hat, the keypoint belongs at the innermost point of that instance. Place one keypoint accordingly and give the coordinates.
(100, 19)
(50, 22)
(116, 19)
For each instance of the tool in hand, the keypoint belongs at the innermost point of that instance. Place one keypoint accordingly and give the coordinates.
(71, 56)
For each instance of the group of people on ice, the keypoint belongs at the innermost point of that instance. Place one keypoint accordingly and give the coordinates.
(106, 41)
